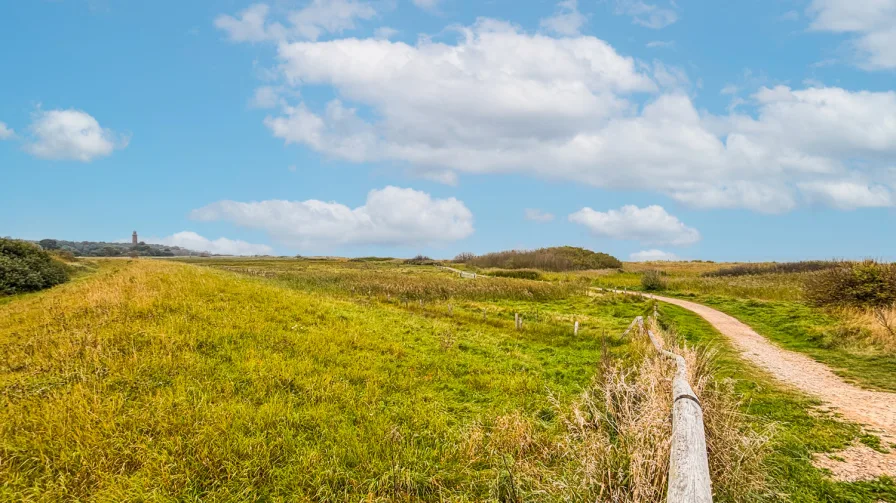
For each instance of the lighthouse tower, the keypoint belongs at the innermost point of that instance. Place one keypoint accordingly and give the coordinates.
(134, 238)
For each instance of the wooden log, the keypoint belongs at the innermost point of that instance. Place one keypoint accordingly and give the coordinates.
(689, 480)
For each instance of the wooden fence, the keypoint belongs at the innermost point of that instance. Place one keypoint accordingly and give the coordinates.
(689, 480)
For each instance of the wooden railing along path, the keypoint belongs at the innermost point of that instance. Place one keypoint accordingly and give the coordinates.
(689, 480)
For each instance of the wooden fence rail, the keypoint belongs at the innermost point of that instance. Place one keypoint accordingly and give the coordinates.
(688, 464)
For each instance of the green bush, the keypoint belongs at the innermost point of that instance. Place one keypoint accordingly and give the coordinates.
(557, 259)
(653, 280)
(25, 267)
(853, 284)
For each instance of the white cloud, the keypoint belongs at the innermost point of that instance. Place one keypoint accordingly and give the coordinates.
(872, 21)
(6, 132)
(537, 215)
(317, 18)
(501, 100)
(847, 195)
(647, 15)
(250, 26)
(71, 134)
(220, 246)
(567, 21)
(652, 256)
(650, 225)
(392, 217)
(654, 44)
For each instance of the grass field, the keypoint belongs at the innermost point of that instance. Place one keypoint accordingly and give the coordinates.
(289, 380)
(850, 342)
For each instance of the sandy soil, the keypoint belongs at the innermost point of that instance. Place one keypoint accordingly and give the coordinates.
(876, 410)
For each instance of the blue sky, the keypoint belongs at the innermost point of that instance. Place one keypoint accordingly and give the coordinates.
(644, 128)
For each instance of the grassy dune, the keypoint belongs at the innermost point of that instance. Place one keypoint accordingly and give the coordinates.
(330, 381)
(165, 380)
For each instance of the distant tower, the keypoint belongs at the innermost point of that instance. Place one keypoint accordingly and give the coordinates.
(134, 238)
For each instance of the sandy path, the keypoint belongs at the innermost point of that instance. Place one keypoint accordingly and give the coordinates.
(874, 409)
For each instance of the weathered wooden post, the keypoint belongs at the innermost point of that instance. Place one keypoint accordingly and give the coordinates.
(575, 328)
(450, 310)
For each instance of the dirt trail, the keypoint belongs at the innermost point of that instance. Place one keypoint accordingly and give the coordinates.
(874, 409)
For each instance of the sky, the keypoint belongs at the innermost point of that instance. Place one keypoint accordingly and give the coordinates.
(648, 129)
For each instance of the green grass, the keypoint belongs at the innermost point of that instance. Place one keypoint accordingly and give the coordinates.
(166, 381)
(771, 305)
(301, 380)
(798, 327)
(797, 433)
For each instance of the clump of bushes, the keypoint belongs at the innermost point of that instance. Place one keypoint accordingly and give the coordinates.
(515, 273)
(420, 260)
(25, 267)
(653, 280)
(774, 268)
(866, 284)
(557, 259)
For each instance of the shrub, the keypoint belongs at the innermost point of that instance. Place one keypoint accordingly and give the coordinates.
(563, 258)
(25, 267)
(464, 257)
(420, 260)
(653, 280)
(867, 284)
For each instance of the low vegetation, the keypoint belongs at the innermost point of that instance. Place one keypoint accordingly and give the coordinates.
(336, 380)
(104, 249)
(841, 313)
(752, 269)
(515, 273)
(653, 280)
(563, 258)
(25, 267)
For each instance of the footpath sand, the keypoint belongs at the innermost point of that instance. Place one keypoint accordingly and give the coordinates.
(876, 410)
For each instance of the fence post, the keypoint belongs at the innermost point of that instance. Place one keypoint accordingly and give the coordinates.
(575, 328)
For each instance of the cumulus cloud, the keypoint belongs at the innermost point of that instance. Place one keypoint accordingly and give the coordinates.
(651, 225)
(872, 21)
(566, 21)
(317, 18)
(220, 246)
(72, 135)
(6, 132)
(647, 15)
(537, 215)
(391, 217)
(847, 195)
(652, 256)
(502, 100)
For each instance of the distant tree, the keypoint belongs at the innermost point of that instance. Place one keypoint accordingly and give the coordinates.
(48, 244)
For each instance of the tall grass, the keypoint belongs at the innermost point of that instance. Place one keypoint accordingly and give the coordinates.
(751, 269)
(616, 437)
(410, 283)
